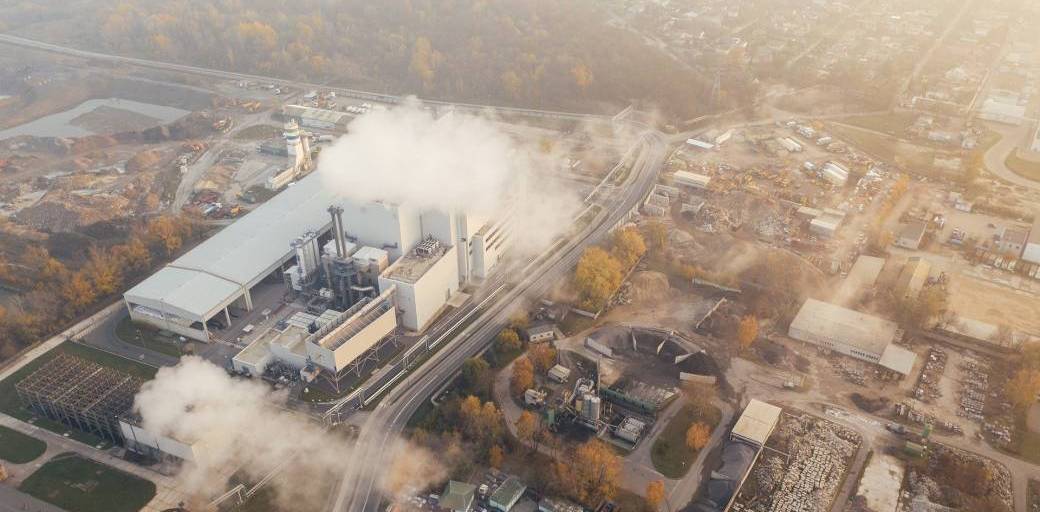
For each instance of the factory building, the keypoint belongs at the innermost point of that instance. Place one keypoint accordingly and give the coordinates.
(912, 235)
(912, 278)
(861, 279)
(317, 118)
(756, 423)
(1031, 252)
(854, 334)
(156, 446)
(293, 239)
(692, 180)
(298, 150)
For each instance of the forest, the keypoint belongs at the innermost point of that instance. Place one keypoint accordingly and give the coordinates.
(533, 53)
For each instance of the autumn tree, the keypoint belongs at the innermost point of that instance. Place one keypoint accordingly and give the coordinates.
(495, 456)
(628, 246)
(656, 235)
(543, 356)
(526, 427)
(697, 436)
(523, 376)
(747, 332)
(425, 61)
(582, 76)
(469, 414)
(78, 293)
(508, 342)
(103, 271)
(591, 475)
(596, 278)
(655, 494)
(1022, 389)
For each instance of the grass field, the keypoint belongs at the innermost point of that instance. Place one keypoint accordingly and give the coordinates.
(18, 448)
(895, 123)
(915, 159)
(80, 485)
(1022, 167)
(147, 337)
(12, 406)
(670, 454)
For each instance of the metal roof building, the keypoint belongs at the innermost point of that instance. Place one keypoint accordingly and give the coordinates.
(757, 422)
(859, 335)
(1031, 252)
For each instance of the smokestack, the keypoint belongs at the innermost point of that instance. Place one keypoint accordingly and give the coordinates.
(337, 230)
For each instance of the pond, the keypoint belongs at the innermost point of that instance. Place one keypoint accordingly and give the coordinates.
(63, 124)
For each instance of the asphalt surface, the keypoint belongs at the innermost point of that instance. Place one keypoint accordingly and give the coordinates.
(358, 490)
(13, 500)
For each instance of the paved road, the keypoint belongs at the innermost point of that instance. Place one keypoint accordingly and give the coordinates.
(229, 75)
(996, 158)
(13, 500)
(104, 337)
(358, 490)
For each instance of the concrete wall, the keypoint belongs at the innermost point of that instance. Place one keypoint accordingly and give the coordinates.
(420, 302)
(147, 441)
(384, 226)
(832, 344)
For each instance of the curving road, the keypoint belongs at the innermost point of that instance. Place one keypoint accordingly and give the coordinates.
(358, 490)
(996, 157)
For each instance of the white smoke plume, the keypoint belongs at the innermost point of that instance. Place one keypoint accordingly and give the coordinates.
(455, 162)
(237, 425)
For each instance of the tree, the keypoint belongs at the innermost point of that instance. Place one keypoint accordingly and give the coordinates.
(697, 436)
(701, 398)
(490, 422)
(469, 413)
(523, 376)
(425, 60)
(596, 278)
(495, 456)
(747, 332)
(628, 246)
(592, 474)
(103, 271)
(476, 376)
(526, 427)
(656, 235)
(543, 356)
(655, 494)
(1022, 389)
(78, 293)
(508, 342)
(582, 76)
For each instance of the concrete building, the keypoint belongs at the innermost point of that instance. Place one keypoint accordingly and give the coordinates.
(157, 446)
(425, 279)
(861, 279)
(911, 235)
(692, 180)
(298, 150)
(317, 118)
(507, 495)
(458, 496)
(1013, 241)
(854, 334)
(223, 271)
(756, 423)
(1031, 252)
(912, 278)
(541, 331)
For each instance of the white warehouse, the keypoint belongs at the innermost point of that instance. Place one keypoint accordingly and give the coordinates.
(191, 295)
(859, 335)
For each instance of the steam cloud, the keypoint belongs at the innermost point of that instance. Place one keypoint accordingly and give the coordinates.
(406, 155)
(237, 425)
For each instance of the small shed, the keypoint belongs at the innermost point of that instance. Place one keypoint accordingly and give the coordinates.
(507, 495)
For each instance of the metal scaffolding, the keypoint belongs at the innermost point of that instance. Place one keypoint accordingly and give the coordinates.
(81, 394)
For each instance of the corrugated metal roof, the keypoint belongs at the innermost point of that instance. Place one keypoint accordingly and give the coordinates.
(898, 359)
(219, 267)
(823, 320)
(757, 421)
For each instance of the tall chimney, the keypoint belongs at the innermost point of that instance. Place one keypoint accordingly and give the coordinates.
(337, 230)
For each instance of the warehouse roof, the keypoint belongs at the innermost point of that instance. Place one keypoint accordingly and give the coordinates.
(457, 496)
(898, 359)
(862, 277)
(913, 277)
(216, 270)
(822, 320)
(757, 421)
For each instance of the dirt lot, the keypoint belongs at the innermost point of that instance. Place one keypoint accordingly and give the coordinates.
(994, 304)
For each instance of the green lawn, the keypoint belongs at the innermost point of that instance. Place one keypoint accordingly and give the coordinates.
(18, 448)
(1022, 167)
(12, 406)
(147, 337)
(670, 454)
(80, 485)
